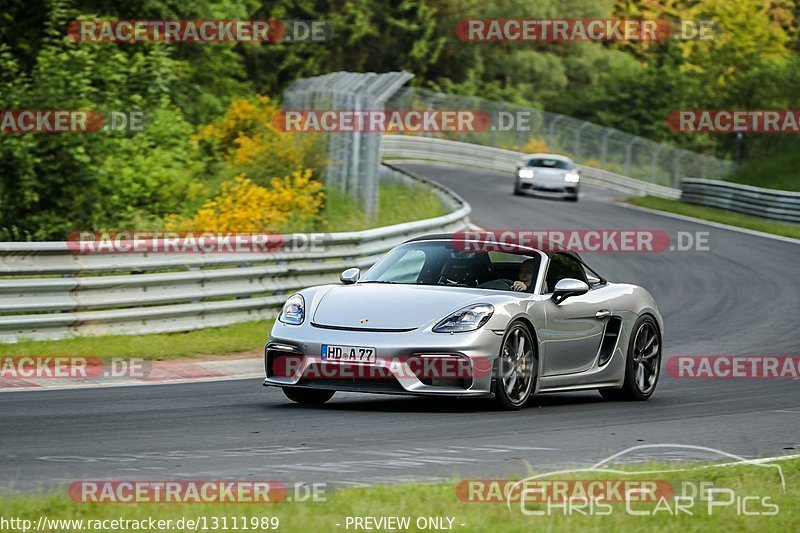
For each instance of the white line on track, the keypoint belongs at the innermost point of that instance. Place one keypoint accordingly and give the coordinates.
(710, 223)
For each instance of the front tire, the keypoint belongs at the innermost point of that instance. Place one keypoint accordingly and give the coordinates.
(517, 368)
(308, 396)
(642, 365)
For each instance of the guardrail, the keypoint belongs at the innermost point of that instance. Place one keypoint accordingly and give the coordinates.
(50, 291)
(466, 154)
(746, 199)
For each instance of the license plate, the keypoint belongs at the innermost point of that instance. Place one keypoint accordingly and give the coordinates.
(348, 354)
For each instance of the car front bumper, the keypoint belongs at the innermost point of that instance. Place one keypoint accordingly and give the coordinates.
(556, 189)
(413, 363)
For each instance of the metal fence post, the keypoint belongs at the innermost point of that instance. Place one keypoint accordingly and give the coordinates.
(676, 169)
(577, 150)
(604, 148)
(628, 148)
(552, 131)
(654, 163)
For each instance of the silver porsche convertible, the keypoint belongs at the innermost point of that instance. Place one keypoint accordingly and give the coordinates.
(444, 316)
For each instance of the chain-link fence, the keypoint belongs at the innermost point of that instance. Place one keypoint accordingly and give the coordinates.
(353, 157)
(533, 130)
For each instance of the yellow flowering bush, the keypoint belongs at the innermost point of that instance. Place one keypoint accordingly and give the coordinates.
(289, 203)
(267, 181)
(535, 146)
(248, 142)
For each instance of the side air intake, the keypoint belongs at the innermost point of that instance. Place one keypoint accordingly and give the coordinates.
(610, 336)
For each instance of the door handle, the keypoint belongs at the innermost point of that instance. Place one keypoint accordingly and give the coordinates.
(603, 313)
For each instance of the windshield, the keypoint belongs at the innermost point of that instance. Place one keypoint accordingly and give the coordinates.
(550, 163)
(447, 263)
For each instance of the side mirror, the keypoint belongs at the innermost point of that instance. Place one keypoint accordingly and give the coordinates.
(350, 276)
(568, 287)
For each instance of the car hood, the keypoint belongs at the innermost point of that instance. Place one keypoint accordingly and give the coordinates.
(391, 307)
(544, 172)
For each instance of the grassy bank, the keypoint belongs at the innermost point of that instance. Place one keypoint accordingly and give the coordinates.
(761, 485)
(397, 203)
(717, 215)
(779, 171)
(243, 337)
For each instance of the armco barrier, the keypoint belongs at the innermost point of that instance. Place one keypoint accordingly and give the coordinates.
(50, 292)
(755, 201)
(466, 154)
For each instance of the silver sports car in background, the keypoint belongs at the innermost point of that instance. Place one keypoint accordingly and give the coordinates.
(547, 175)
(444, 316)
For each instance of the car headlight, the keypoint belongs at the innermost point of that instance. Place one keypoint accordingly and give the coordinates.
(525, 173)
(572, 177)
(467, 319)
(294, 310)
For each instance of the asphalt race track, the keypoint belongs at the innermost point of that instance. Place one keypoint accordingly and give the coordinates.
(741, 297)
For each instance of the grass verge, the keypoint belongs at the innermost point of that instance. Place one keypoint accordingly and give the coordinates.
(778, 170)
(717, 215)
(397, 203)
(242, 337)
(755, 489)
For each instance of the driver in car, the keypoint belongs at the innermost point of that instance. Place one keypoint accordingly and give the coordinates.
(526, 272)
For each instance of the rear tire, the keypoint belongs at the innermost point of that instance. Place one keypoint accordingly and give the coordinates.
(517, 368)
(642, 364)
(308, 396)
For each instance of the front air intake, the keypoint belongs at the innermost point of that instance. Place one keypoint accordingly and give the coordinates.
(282, 361)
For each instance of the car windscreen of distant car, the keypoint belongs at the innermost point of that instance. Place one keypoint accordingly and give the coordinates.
(549, 163)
